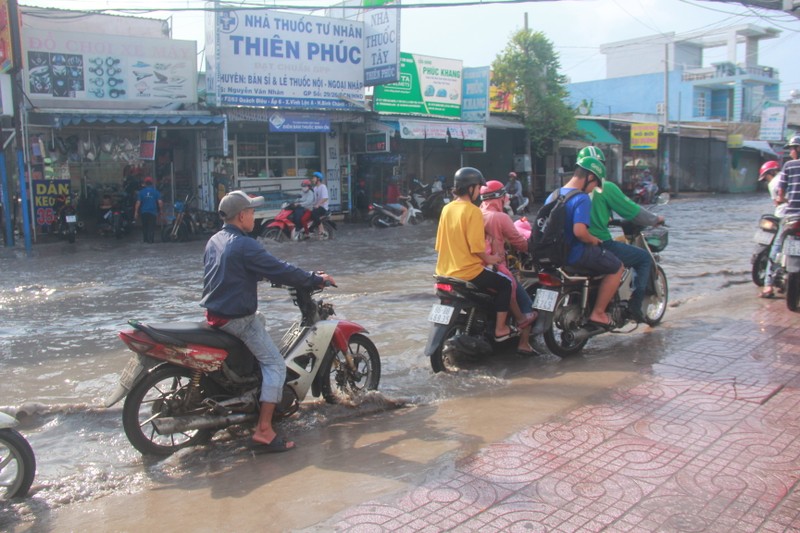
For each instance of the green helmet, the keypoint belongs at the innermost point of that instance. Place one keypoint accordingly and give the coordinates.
(592, 151)
(593, 165)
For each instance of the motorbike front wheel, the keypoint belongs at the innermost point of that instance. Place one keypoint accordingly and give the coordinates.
(341, 381)
(274, 233)
(793, 291)
(566, 317)
(656, 304)
(163, 393)
(17, 465)
(759, 271)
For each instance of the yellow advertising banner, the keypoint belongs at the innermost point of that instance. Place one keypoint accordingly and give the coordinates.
(644, 136)
(500, 98)
(6, 58)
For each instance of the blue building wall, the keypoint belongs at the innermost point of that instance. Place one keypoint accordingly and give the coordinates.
(636, 94)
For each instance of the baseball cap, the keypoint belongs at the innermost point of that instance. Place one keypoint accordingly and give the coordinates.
(148, 180)
(235, 202)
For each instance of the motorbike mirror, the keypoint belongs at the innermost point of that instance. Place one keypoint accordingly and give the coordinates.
(663, 199)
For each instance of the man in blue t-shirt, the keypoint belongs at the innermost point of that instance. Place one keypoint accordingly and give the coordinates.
(586, 251)
(148, 205)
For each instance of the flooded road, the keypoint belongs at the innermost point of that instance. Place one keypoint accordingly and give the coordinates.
(62, 308)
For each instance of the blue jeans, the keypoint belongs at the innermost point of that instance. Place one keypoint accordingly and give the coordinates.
(523, 300)
(640, 261)
(252, 330)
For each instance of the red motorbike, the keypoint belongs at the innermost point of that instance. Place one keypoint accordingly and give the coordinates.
(186, 379)
(282, 228)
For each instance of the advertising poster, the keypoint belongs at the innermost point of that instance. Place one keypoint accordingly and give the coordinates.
(69, 70)
(475, 88)
(299, 123)
(501, 99)
(381, 42)
(147, 144)
(45, 193)
(267, 58)
(773, 118)
(428, 86)
(644, 136)
(6, 60)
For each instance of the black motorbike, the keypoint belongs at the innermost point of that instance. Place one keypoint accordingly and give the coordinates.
(66, 225)
(565, 296)
(462, 324)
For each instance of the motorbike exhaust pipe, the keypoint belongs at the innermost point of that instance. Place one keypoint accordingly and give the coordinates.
(580, 335)
(179, 424)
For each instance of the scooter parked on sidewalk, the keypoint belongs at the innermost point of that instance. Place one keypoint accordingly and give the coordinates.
(67, 224)
(187, 379)
(382, 216)
(565, 296)
(17, 461)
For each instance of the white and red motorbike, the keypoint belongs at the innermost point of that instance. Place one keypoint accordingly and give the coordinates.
(187, 379)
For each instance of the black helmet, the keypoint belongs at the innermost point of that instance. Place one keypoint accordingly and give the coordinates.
(465, 177)
(794, 141)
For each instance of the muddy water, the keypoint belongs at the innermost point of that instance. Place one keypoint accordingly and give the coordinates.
(60, 311)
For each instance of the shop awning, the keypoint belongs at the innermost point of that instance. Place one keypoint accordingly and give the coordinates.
(761, 146)
(595, 133)
(504, 123)
(60, 120)
(423, 129)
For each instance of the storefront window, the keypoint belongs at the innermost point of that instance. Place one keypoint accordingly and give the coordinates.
(277, 155)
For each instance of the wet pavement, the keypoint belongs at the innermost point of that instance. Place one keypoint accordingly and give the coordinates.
(710, 442)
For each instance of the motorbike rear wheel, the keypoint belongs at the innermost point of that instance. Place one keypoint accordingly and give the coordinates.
(340, 382)
(759, 271)
(793, 291)
(17, 465)
(441, 360)
(162, 393)
(566, 317)
(657, 303)
(328, 233)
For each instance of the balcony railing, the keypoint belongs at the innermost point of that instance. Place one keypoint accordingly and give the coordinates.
(729, 70)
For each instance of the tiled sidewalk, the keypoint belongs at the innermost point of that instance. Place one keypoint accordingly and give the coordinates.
(710, 441)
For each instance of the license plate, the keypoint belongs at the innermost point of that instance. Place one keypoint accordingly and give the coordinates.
(71, 218)
(131, 371)
(545, 300)
(763, 237)
(791, 247)
(441, 314)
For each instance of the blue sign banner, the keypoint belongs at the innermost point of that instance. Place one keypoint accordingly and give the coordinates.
(475, 91)
(299, 123)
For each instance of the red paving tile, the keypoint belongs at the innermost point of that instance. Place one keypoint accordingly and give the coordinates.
(710, 441)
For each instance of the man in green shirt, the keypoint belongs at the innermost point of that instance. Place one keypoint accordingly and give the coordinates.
(610, 199)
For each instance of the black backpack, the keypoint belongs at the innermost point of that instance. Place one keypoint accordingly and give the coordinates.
(547, 244)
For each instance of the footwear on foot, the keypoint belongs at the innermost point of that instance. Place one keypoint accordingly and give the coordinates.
(767, 293)
(278, 445)
(512, 333)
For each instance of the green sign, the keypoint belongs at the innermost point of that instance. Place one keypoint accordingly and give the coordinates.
(428, 86)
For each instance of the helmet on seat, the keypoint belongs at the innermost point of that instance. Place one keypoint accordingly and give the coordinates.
(465, 177)
(492, 190)
(595, 166)
(592, 151)
(766, 167)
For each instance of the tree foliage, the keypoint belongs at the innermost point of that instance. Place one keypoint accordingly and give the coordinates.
(529, 69)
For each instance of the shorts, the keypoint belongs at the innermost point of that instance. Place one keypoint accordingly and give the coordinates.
(597, 260)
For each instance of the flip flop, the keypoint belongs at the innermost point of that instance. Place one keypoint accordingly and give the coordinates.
(605, 325)
(513, 333)
(767, 294)
(527, 353)
(277, 445)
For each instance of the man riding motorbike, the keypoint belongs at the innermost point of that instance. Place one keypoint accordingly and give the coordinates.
(234, 264)
(610, 199)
